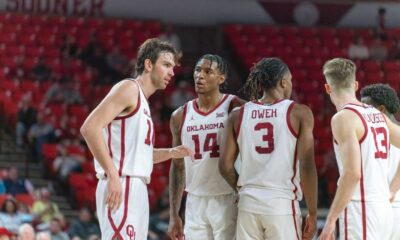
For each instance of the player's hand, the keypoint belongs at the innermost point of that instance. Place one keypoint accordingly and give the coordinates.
(114, 192)
(391, 196)
(328, 233)
(181, 151)
(310, 227)
(175, 229)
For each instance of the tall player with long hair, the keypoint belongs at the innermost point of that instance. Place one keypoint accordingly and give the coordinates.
(120, 135)
(274, 137)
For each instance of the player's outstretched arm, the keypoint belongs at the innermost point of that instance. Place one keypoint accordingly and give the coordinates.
(230, 151)
(347, 129)
(176, 179)
(302, 118)
(118, 99)
(163, 154)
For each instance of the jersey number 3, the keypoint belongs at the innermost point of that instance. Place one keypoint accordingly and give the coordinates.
(210, 144)
(268, 137)
(381, 148)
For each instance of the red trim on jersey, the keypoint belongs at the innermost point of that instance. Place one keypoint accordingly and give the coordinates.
(294, 220)
(234, 100)
(270, 104)
(294, 171)
(121, 161)
(241, 111)
(295, 189)
(296, 135)
(140, 88)
(183, 119)
(355, 104)
(109, 140)
(134, 111)
(363, 211)
(363, 121)
(384, 117)
(196, 107)
(117, 231)
(345, 224)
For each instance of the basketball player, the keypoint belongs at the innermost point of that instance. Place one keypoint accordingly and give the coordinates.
(211, 209)
(385, 99)
(274, 136)
(361, 144)
(120, 135)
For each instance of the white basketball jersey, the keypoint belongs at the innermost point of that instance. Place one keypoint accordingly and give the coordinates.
(267, 145)
(374, 145)
(130, 141)
(203, 132)
(393, 165)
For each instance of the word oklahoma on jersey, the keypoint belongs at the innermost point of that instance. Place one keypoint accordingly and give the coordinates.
(204, 132)
(267, 146)
(130, 141)
(374, 146)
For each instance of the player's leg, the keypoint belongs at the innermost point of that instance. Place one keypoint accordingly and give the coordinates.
(282, 227)
(350, 222)
(130, 220)
(396, 220)
(379, 220)
(101, 207)
(196, 223)
(222, 214)
(249, 226)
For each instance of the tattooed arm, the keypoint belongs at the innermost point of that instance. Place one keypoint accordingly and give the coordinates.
(176, 179)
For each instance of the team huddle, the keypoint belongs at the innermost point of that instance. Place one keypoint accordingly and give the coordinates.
(245, 165)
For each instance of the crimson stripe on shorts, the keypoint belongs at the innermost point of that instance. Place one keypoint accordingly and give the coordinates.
(294, 220)
(117, 231)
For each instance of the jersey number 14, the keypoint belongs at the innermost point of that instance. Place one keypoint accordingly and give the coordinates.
(210, 144)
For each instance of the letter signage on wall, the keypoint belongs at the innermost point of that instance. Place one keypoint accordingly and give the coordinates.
(58, 7)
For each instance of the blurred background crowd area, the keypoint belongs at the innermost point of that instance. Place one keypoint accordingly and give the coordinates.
(55, 69)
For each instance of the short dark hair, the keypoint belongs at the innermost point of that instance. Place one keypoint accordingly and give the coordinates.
(151, 49)
(382, 94)
(264, 75)
(221, 65)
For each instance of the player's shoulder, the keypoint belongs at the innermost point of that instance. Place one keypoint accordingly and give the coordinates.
(235, 102)
(126, 87)
(345, 117)
(178, 114)
(127, 83)
(300, 110)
